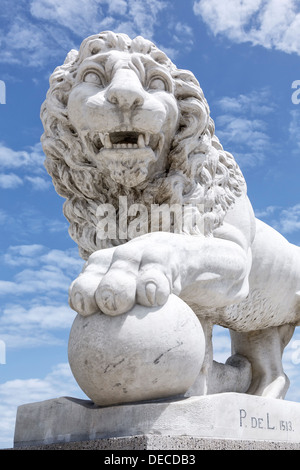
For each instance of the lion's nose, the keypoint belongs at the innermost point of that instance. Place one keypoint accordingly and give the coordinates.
(125, 90)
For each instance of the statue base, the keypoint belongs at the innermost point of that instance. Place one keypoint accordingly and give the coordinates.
(220, 421)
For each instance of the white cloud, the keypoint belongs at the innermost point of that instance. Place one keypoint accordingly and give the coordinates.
(13, 159)
(57, 226)
(66, 260)
(13, 393)
(52, 270)
(285, 220)
(23, 255)
(118, 7)
(289, 220)
(28, 281)
(291, 367)
(26, 41)
(255, 103)
(72, 14)
(42, 317)
(10, 181)
(29, 222)
(240, 128)
(221, 344)
(23, 161)
(267, 212)
(129, 16)
(269, 23)
(34, 302)
(38, 183)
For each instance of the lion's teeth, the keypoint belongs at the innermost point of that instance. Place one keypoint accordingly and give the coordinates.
(141, 141)
(101, 136)
(161, 142)
(107, 142)
(147, 138)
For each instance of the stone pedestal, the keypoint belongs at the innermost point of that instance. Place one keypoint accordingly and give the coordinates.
(221, 421)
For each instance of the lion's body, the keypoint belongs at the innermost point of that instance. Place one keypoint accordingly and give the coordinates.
(121, 119)
(274, 285)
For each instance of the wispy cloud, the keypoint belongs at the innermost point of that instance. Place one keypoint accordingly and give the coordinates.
(284, 219)
(31, 158)
(17, 319)
(40, 256)
(269, 23)
(41, 29)
(27, 320)
(240, 127)
(30, 222)
(23, 255)
(42, 318)
(13, 393)
(27, 166)
(38, 183)
(10, 181)
(289, 220)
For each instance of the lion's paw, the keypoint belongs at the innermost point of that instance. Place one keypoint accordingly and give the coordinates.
(119, 291)
(135, 274)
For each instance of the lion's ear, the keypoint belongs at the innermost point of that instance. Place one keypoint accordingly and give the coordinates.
(71, 56)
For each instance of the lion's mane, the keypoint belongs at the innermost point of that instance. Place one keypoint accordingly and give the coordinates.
(199, 170)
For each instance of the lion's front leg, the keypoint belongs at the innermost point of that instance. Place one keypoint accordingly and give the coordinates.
(146, 270)
(207, 271)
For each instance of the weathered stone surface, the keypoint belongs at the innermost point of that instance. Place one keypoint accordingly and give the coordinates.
(164, 443)
(221, 416)
(145, 354)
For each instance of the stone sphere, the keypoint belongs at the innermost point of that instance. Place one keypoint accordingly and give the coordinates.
(145, 354)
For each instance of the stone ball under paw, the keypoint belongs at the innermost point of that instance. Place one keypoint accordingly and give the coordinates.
(144, 354)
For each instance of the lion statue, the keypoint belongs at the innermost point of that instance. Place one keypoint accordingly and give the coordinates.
(121, 120)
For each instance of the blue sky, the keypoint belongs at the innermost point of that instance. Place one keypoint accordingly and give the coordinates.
(245, 55)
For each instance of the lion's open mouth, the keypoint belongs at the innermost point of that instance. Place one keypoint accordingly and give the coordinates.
(128, 140)
(126, 154)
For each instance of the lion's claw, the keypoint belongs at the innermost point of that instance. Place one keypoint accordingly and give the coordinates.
(116, 292)
(81, 296)
(153, 288)
(150, 290)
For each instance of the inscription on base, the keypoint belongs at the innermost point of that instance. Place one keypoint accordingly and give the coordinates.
(265, 421)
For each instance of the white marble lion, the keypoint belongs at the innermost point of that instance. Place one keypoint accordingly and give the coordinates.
(121, 119)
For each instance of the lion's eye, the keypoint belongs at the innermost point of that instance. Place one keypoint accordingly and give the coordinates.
(92, 77)
(158, 83)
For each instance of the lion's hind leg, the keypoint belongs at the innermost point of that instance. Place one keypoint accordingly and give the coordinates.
(264, 349)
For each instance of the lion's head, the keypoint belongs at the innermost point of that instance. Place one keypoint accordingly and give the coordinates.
(121, 119)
